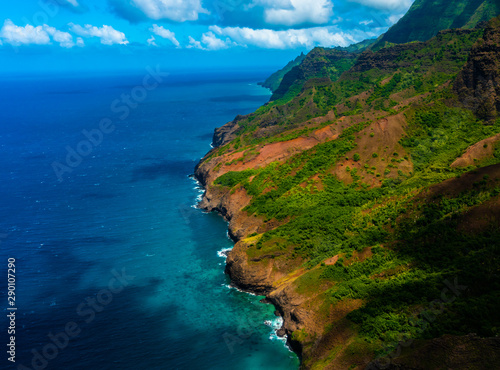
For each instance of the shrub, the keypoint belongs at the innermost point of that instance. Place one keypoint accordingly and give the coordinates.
(233, 178)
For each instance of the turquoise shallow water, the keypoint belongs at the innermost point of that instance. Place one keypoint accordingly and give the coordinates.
(126, 210)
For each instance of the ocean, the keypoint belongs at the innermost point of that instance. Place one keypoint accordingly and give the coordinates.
(115, 268)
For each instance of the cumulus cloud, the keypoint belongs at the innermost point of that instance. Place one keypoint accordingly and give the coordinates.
(292, 38)
(73, 2)
(209, 41)
(63, 38)
(213, 43)
(107, 34)
(298, 12)
(175, 10)
(15, 35)
(166, 34)
(39, 35)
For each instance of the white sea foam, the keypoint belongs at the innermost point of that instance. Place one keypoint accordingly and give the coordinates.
(239, 290)
(223, 252)
(199, 188)
(275, 325)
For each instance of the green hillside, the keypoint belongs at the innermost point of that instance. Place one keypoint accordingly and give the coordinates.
(366, 198)
(274, 81)
(427, 17)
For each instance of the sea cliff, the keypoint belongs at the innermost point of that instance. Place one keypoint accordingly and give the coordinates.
(356, 200)
(260, 278)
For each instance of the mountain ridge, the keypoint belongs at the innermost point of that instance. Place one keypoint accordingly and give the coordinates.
(426, 18)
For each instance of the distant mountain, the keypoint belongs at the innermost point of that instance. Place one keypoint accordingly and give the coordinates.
(427, 17)
(424, 20)
(320, 62)
(314, 66)
(273, 81)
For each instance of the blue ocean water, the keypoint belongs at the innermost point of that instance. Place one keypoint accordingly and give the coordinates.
(115, 268)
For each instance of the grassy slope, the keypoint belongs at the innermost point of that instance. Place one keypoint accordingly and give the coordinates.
(320, 62)
(399, 219)
(274, 81)
(426, 17)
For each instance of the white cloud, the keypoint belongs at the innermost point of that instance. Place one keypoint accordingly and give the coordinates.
(293, 12)
(151, 41)
(166, 34)
(79, 42)
(175, 10)
(107, 34)
(386, 4)
(63, 38)
(209, 41)
(292, 38)
(194, 44)
(73, 2)
(213, 43)
(40, 35)
(15, 35)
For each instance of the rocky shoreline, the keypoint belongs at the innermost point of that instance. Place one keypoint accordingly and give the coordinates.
(249, 278)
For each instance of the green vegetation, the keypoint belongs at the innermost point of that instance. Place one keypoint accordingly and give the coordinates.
(399, 219)
(273, 82)
(439, 134)
(233, 178)
(438, 15)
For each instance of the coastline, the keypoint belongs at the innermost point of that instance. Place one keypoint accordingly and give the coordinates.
(256, 281)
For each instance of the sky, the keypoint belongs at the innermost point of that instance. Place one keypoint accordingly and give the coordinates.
(116, 35)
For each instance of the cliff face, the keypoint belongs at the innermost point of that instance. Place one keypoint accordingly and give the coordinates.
(384, 59)
(478, 85)
(391, 58)
(226, 133)
(258, 274)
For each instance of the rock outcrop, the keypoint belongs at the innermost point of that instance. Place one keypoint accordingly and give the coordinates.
(478, 85)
